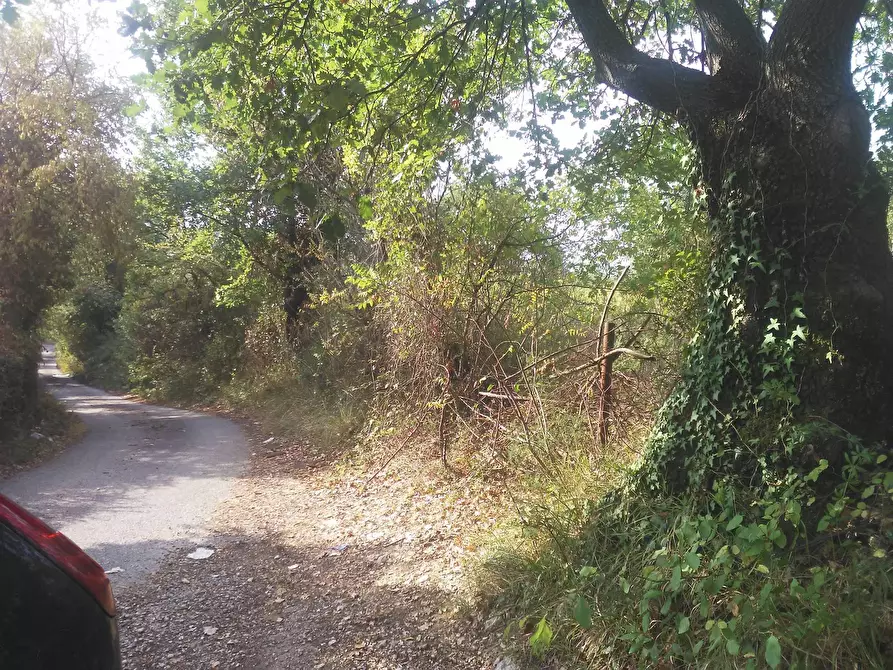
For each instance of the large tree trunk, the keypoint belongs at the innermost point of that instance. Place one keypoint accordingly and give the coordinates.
(793, 358)
(800, 294)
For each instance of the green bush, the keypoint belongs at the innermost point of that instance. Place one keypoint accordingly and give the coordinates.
(18, 392)
(184, 339)
(85, 330)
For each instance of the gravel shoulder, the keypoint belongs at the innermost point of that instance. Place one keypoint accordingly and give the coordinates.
(311, 569)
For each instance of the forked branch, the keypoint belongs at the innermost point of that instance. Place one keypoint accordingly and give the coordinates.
(657, 82)
(733, 42)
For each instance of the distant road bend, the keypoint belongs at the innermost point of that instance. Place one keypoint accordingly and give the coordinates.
(143, 481)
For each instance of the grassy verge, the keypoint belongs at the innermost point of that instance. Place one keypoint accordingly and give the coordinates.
(56, 429)
(285, 406)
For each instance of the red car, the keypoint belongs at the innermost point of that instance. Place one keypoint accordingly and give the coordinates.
(56, 605)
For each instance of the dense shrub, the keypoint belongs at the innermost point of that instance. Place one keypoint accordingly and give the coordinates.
(18, 391)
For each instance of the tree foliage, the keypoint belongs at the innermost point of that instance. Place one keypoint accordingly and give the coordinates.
(60, 185)
(698, 182)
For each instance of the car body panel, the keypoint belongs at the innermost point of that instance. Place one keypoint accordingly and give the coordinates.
(48, 621)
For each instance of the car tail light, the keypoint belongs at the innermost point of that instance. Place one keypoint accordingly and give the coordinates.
(65, 553)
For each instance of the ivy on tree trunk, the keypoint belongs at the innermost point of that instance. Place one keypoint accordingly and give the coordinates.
(800, 293)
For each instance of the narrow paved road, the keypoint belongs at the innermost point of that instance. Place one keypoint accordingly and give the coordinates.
(143, 481)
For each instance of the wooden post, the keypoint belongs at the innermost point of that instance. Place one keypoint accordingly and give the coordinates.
(604, 402)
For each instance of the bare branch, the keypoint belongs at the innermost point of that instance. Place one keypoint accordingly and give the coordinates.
(733, 43)
(638, 355)
(813, 42)
(604, 319)
(657, 82)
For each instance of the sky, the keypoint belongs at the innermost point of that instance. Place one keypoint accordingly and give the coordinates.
(108, 48)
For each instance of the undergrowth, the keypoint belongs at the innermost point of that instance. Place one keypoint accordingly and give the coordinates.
(795, 574)
(54, 430)
(288, 406)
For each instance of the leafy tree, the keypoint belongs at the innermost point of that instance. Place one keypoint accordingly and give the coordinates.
(59, 181)
(799, 292)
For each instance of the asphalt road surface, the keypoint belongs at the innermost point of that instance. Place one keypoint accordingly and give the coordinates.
(142, 483)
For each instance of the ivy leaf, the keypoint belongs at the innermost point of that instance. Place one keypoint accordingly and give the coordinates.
(684, 625)
(773, 652)
(583, 613)
(732, 646)
(734, 522)
(693, 560)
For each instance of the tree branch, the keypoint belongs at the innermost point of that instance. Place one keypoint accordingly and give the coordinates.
(813, 42)
(659, 83)
(731, 39)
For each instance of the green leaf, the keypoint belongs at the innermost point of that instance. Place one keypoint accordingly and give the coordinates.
(10, 13)
(338, 98)
(676, 578)
(583, 613)
(732, 646)
(332, 228)
(364, 207)
(280, 195)
(134, 109)
(588, 571)
(541, 639)
(763, 569)
(705, 529)
(773, 652)
(684, 625)
(624, 584)
(307, 195)
(693, 560)
(735, 522)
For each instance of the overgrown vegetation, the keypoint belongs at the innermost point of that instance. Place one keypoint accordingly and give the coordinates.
(666, 337)
(55, 430)
(62, 194)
